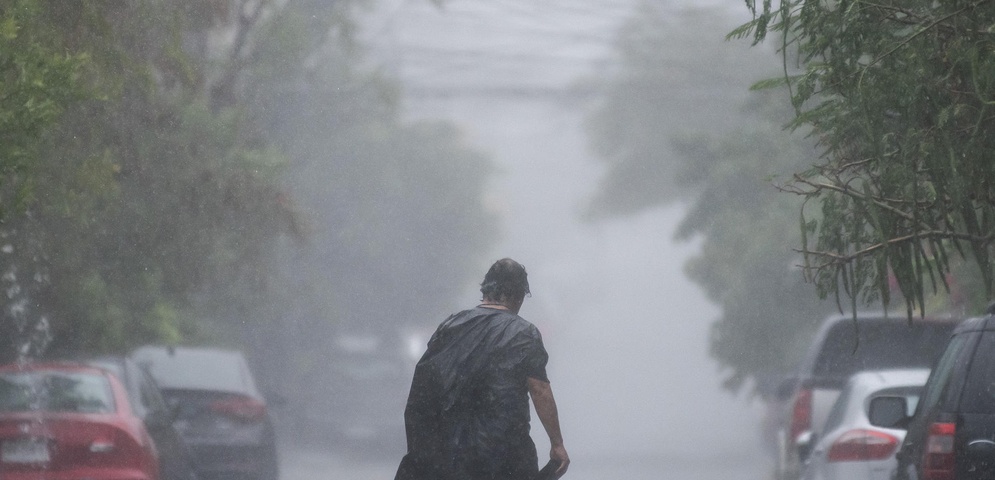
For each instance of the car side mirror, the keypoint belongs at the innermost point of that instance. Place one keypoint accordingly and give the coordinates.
(889, 412)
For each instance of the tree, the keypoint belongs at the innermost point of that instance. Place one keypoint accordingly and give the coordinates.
(227, 175)
(395, 220)
(142, 195)
(899, 96)
(680, 126)
(39, 81)
(746, 264)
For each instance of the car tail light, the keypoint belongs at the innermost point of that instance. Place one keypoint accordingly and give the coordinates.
(859, 445)
(240, 408)
(938, 459)
(113, 451)
(79, 445)
(801, 413)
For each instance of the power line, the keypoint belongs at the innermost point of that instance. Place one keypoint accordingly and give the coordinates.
(530, 41)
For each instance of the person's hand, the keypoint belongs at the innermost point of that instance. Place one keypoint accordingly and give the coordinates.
(559, 453)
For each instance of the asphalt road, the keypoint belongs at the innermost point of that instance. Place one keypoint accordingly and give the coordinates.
(315, 463)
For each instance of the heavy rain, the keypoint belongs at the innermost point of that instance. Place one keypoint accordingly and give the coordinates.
(246, 218)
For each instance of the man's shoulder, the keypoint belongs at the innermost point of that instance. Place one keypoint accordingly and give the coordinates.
(519, 323)
(513, 320)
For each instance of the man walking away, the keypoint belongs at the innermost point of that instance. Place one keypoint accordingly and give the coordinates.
(467, 416)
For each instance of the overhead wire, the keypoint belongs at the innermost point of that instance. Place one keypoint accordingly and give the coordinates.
(530, 37)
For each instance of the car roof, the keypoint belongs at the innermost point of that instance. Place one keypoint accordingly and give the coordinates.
(826, 347)
(60, 365)
(197, 368)
(976, 323)
(878, 379)
(864, 385)
(881, 317)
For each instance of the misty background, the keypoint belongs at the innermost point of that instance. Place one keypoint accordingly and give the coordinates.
(626, 330)
(319, 183)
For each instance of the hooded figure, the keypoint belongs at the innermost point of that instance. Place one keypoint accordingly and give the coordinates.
(467, 415)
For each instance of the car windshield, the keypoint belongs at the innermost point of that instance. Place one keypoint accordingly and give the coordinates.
(838, 412)
(879, 345)
(979, 391)
(55, 392)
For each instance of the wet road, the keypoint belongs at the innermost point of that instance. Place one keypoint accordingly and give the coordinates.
(312, 463)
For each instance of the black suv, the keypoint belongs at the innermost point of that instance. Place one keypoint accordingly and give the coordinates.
(952, 433)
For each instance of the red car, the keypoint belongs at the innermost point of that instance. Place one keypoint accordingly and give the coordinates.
(62, 421)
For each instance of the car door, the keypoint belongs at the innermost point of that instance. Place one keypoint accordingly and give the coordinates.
(975, 435)
(174, 455)
(938, 401)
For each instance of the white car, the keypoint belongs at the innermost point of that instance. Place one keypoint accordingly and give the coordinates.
(852, 448)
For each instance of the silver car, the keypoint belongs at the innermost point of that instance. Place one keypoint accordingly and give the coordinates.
(852, 448)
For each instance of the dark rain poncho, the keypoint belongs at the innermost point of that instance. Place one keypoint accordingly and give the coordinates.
(467, 416)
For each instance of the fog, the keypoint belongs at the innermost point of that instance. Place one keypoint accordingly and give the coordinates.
(626, 330)
(316, 184)
(228, 229)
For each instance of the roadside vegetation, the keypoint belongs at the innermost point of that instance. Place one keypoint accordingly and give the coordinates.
(854, 175)
(216, 172)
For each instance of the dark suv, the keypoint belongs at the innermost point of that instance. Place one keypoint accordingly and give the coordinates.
(841, 348)
(952, 434)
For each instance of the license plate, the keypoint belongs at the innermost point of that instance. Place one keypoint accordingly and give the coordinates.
(25, 450)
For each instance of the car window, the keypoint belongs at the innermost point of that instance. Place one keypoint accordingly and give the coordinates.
(849, 348)
(941, 374)
(117, 370)
(151, 399)
(55, 392)
(979, 391)
(837, 413)
(198, 370)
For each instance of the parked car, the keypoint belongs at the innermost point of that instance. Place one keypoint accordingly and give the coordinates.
(70, 421)
(176, 461)
(852, 447)
(841, 348)
(952, 433)
(220, 413)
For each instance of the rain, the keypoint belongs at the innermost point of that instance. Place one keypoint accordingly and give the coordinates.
(292, 195)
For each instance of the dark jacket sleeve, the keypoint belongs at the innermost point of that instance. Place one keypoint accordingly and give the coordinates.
(534, 356)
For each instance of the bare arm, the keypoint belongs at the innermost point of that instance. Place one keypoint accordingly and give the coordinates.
(545, 405)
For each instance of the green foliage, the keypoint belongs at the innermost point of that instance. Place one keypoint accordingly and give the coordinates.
(898, 95)
(142, 196)
(198, 172)
(746, 263)
(38, 80)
